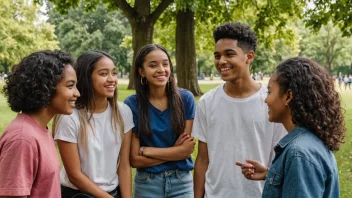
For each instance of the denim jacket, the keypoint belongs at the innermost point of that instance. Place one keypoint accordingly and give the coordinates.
(303, 167)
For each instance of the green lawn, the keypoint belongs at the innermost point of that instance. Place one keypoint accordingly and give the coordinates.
(343, 156)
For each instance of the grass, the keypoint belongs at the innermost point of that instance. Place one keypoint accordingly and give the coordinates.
(343, 156)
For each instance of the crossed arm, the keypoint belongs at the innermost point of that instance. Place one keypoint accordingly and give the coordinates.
(153, 156)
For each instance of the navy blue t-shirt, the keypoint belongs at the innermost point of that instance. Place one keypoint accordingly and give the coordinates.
(162, 134)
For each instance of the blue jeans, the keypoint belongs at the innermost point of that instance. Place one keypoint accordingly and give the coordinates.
(167, 184)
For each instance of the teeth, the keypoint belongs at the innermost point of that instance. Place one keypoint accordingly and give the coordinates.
(224, 69)
(72, 102)
(110, 86)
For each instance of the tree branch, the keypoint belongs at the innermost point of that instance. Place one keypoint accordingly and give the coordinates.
(254, 2)
(127, 10)
(159, 10)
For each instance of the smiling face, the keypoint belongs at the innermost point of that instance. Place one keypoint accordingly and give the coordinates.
(278, 111)
(66, 93)
(156, 68)
(104, 78)
(231, 61)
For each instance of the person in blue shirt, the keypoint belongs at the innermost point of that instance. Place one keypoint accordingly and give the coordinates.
(302, 97)
(161, 144)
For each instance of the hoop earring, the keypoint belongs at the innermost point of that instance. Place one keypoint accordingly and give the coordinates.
(142, 81)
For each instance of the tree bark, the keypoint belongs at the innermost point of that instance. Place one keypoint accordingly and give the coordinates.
(186, 67)
(142, 34)
(142, 24)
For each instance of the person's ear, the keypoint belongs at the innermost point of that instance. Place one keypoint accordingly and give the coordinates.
(141, 72)
(250, 57)
(289, 96)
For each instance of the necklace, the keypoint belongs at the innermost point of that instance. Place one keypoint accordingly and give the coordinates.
(159, 102)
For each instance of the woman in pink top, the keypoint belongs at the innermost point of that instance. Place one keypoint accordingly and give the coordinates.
(41, 85)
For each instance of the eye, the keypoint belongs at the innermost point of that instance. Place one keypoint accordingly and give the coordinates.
(104, 74)
(114, 73)
(217, 56)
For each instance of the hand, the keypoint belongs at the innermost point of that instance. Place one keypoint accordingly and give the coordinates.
(253, 170)
(188, 146)
(181, 139)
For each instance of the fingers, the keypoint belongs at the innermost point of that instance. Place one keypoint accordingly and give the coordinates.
(254, 162)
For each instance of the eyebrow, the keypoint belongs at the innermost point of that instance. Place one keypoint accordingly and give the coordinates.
(70, 81)
(153, 61)
(226, 50)
(106, 69)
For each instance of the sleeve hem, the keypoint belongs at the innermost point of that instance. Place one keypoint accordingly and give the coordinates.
(58, 137)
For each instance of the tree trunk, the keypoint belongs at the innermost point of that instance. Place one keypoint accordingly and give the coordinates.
(186, 67)
(142, 34)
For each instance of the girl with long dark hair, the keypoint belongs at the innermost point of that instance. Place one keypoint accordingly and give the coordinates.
(94, 141)
(163, 115)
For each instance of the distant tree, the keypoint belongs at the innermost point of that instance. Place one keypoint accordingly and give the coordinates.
(22, 32)
(327, 46)
(142, 16)
(101, 29)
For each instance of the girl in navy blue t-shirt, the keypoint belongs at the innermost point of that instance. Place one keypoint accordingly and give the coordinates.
(163, 116)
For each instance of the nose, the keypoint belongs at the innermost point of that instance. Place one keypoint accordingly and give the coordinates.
(76, 93)
(222, 60)
(111, 77)
(161, 68)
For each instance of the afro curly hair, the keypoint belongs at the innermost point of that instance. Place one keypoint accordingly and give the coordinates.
(32, 83)
(315, 104)
(246, 38)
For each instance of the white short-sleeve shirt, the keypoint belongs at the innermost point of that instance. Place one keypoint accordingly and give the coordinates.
(234, 129)
(100, 163)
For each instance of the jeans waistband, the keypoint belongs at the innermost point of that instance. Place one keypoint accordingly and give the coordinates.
(163, 173)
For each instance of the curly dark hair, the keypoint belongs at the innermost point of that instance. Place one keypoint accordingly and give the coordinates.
(32, 83)
(246, 38)
(315, 104)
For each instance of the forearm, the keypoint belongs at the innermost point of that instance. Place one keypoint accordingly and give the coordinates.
(167, 154)
(84, 184)
(138, 161)
(199, 178)
(125, 180)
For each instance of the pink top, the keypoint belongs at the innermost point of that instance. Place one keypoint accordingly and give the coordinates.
(29, 165)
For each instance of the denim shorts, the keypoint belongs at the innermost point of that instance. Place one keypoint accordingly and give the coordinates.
(167, 184)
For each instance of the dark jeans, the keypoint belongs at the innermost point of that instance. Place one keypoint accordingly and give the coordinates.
(67, 192)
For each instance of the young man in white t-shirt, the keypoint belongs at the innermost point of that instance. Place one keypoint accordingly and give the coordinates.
(231, 121)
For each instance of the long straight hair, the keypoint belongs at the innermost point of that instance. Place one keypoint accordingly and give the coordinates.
(84, 69)
(175, 103)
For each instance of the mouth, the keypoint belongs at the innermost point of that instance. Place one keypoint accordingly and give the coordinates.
(160, 78)
(110, 87)
(224, 69)
(72, 103)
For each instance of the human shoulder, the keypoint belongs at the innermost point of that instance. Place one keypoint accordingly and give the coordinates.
(124, 108)
(186, 94)
(131, 100)
(308, 146)
(212, 94)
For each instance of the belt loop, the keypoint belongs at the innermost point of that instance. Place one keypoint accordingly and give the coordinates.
(151, 175)
(178, 174)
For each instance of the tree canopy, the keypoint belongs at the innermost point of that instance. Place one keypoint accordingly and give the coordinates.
(22, 32)
(101, 29)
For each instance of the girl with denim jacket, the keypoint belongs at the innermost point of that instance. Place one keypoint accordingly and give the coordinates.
(302, 97)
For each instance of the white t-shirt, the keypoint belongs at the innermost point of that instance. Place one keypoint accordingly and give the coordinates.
(234, 129)
(100, 163)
